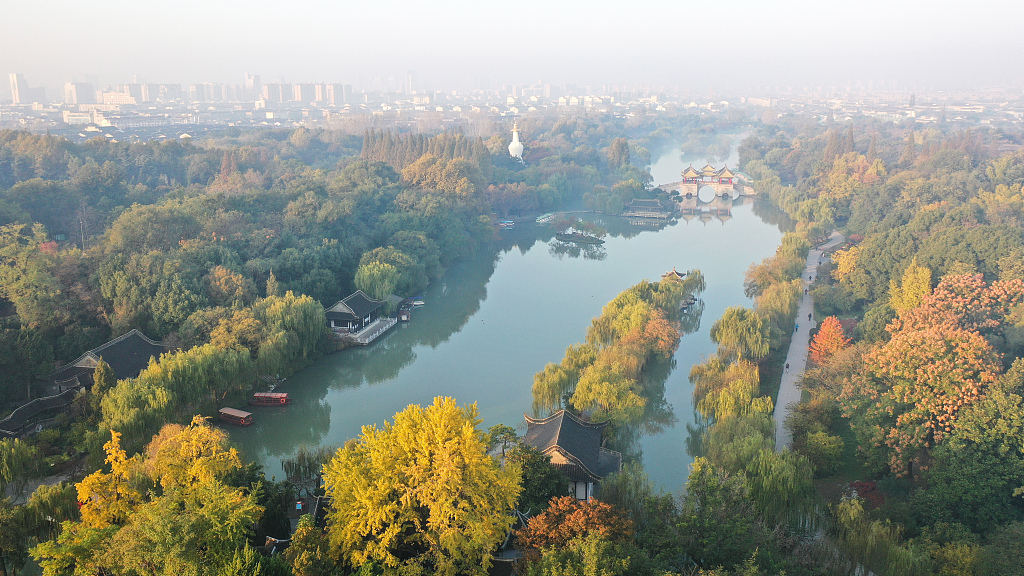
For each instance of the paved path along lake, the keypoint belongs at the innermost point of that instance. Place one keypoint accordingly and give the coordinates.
(796, 359)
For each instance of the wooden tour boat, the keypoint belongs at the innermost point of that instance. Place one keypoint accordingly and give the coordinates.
(236, 417)
(270, 399)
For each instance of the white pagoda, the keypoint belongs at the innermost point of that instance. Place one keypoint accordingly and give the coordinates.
(515, 149)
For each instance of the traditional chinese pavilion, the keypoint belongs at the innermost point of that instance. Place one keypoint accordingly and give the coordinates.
(353, 313)
(574, 446)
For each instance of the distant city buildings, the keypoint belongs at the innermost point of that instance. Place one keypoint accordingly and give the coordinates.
(22, 94)
(140, 110)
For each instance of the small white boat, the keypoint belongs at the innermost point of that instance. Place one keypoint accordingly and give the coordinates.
(416, 303)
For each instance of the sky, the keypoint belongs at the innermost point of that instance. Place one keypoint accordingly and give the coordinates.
(726, 45)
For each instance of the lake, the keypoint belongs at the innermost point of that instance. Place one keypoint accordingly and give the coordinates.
(497, 318)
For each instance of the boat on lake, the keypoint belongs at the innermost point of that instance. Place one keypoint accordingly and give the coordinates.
(236, 417)
(270, 399)
(578, 238)
(506, 224)
(545, 218)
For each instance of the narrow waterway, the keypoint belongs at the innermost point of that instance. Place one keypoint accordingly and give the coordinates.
(496, 319)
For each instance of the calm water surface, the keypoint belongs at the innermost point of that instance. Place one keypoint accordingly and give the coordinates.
(496, 319)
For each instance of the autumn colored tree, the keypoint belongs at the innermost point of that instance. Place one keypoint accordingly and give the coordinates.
(830, 339)
(846, 262)
(916, 284)
(192, 524)
(421, 494)
(309, 553)
(915, 387)
(965, 301)
(567, 518)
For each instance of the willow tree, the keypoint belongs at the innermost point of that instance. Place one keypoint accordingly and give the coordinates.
(741, 334)
(421, 495)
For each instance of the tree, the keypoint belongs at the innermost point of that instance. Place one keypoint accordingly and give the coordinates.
(103, 379)
(741, 334)
(166, 513)
(17, 464)
(305, 468)
(917, 283)
(13, 539)
(618, 153)
(377, 279)
(567, 518)
(846, 262)
(541, 480)
(909, 154)
(724, 389)
(917, 384)
(591, 555)
(309, 553)
(718, 523)
(830, 339)
(420, 494)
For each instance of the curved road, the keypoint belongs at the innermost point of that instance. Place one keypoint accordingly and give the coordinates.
(789, 393)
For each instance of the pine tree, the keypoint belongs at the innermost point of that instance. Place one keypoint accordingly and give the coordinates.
(273, 289)
(103, 378)
(832, 148)
(848, 145)
(909, 152)
(873, 148)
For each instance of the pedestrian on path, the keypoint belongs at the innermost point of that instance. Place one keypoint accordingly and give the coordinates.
(809, 317)
(805, 291)
(787, 366)
(797, 328)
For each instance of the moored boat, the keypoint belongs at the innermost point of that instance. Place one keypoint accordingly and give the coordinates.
(236, 417)
(270, 399)
(545, 218)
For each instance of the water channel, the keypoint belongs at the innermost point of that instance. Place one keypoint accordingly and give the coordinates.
(497, 318)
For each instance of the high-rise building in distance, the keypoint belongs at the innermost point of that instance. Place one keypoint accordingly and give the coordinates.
(79, 93)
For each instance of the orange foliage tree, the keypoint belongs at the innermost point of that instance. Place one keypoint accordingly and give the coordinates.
(939, 361)
(916, 386)
(568, 518)
(829, 340)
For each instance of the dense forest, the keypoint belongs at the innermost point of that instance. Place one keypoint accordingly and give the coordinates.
(907, 457)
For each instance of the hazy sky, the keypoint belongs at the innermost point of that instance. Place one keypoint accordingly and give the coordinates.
(723, 44)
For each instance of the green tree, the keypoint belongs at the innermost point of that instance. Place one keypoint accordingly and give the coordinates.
(13, 538)
(17, 465)
(540, 479)
(421, 494)
(304, 469)
(741, 334)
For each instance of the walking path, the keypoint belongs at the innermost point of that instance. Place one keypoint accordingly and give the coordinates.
(796, 359)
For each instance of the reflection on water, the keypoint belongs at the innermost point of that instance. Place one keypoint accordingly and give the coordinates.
(498, 317)
(560, 250)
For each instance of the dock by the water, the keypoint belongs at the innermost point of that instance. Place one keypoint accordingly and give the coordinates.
(372, 331)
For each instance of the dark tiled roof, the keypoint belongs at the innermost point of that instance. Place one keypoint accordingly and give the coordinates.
(575, 439)
(127, 355)
(353, 307)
